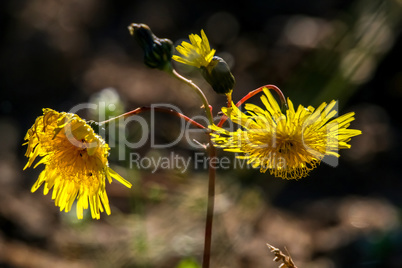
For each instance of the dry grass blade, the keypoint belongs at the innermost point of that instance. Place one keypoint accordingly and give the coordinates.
(279, 256)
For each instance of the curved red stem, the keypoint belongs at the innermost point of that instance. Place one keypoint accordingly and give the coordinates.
(253, 93)
(158, 109)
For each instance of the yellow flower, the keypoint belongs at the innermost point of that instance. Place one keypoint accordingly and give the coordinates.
(290, 145)
(76, 162)
(198, 53)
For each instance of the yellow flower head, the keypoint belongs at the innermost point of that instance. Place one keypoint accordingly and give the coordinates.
(290, 145)
(198, 53)
(76, 162)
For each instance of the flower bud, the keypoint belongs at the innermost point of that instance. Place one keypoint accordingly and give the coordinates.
(157, 52)
(218, 75)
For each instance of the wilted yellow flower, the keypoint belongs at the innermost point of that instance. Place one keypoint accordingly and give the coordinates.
(289, 144)
(76, 162)
(198, 53)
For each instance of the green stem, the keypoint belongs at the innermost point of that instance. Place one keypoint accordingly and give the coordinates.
(211, 173)
(199, 92)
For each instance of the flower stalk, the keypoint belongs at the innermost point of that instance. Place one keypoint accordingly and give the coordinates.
(157, 109)
(211, 173)
(200, 93)
(210, 205)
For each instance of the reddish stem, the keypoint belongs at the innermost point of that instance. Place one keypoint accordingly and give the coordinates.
(158, 109)
(253, 93)
(210, 205)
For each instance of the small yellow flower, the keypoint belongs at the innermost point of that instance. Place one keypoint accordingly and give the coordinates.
(76, 162)
(290, 145)
(198, 53)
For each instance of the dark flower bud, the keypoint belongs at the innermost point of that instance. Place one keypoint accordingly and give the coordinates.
(218, 75)
(157, 52)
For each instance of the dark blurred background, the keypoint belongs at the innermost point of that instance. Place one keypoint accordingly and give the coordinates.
(58, 54)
